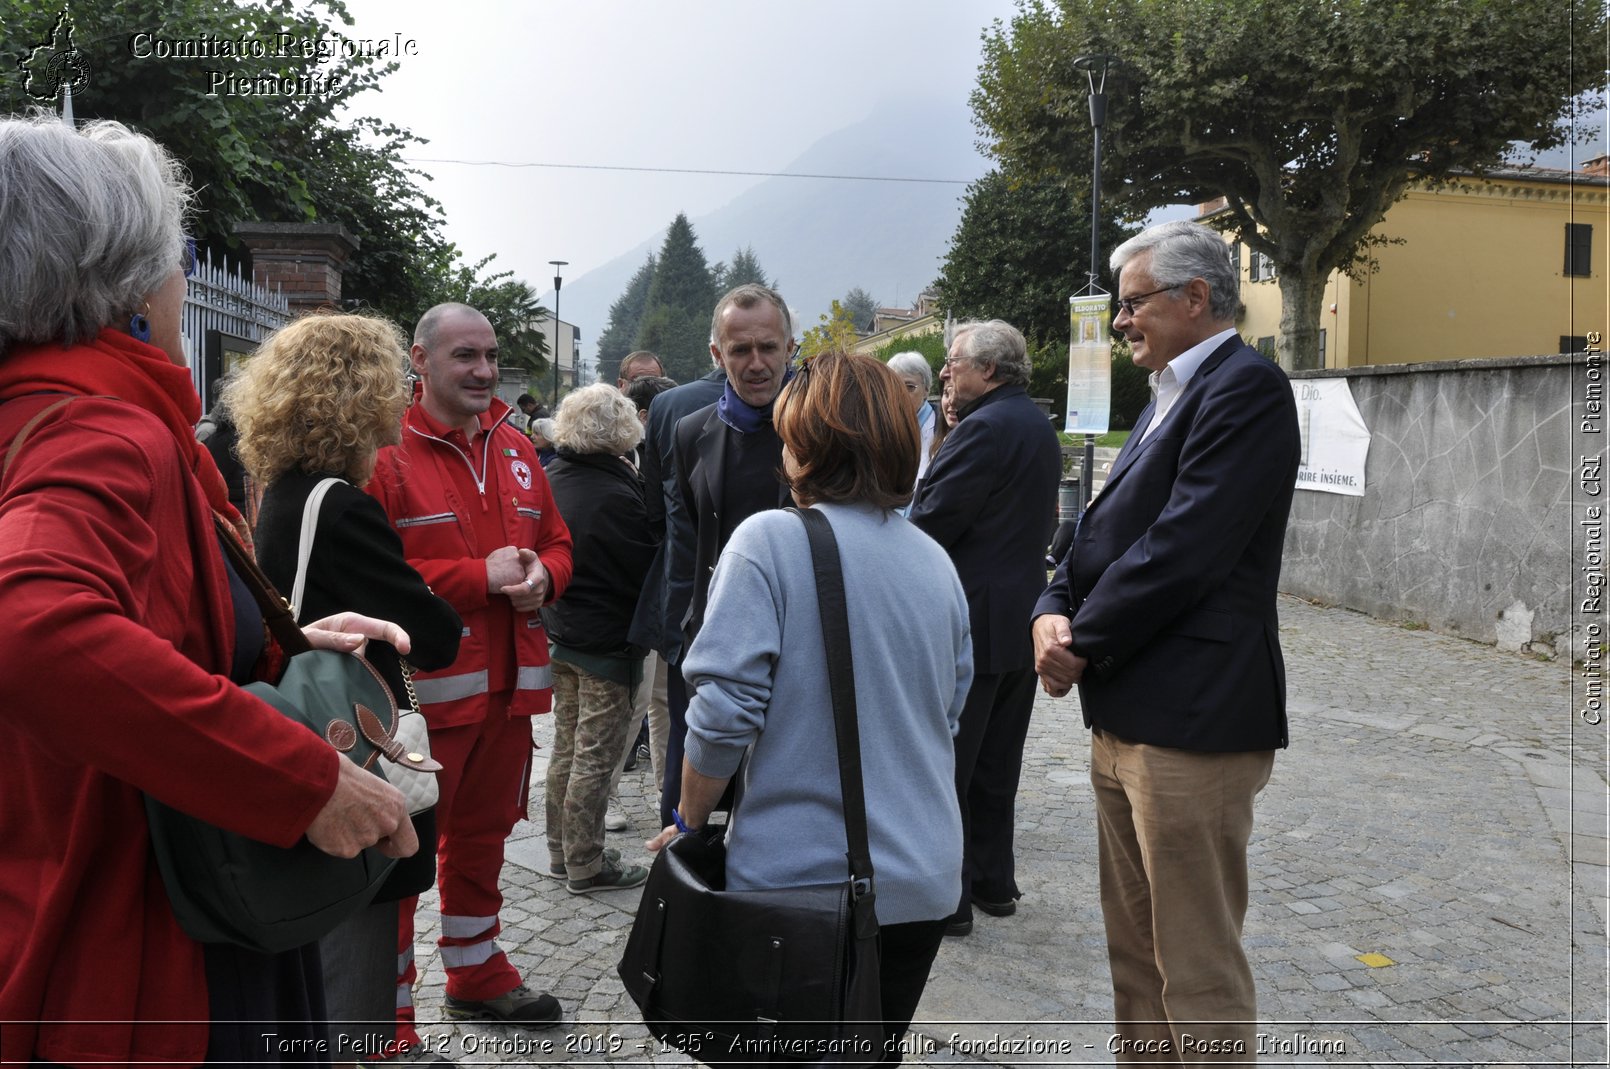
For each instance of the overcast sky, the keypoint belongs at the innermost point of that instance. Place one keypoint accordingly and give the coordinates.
(735, 85)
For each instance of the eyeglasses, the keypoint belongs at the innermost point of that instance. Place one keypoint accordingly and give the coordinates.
(1127, 305)
(189, 259)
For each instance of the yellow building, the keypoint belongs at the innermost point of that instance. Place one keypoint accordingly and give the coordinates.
(1512, 264)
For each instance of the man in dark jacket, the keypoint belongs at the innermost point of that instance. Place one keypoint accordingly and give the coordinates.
(1163, 613)
(724, 463)
(990, 499)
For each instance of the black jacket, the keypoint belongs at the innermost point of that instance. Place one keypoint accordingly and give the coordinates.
(990, 498)
(601, 499)
(357, 565)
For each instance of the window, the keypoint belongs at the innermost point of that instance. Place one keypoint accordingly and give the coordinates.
(1573, 343)
(1321, 348)
(1579, 250)
(1263, 268)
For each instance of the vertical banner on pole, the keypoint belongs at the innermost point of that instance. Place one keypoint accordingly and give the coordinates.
(1089, 365)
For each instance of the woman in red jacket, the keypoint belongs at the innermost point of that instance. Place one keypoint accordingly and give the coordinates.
(127, 635)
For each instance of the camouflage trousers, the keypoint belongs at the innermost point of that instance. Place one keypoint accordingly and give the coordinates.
(591, 718)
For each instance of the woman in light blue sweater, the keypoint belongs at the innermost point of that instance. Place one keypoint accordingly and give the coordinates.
(759, 676)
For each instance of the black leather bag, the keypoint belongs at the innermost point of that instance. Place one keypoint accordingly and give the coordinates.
(226, 888)
(778, 975)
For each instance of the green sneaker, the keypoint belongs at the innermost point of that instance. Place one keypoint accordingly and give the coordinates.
(610, 878)
(612, 856)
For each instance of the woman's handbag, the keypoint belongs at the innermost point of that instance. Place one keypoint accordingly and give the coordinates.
(418, 787)
(227, 888)
(789, 974)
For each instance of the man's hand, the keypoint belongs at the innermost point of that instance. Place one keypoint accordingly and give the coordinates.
(504, 568)
(364, 811)
(349, 632)
(1058, 666)
(530, 592)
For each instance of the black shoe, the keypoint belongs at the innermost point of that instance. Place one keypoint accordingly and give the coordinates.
(520, 1006)
(996, 909)
(960, 926)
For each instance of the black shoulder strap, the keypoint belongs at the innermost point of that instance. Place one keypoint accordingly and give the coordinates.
(841, 683)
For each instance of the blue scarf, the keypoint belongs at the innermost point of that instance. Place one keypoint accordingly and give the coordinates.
(742, 417)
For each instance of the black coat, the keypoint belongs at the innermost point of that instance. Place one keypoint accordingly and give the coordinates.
(990, 498)
(657, 623)
(357, 565)
(601, 499)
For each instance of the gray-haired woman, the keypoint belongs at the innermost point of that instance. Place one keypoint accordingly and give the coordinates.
(128, 634)
(595, 668)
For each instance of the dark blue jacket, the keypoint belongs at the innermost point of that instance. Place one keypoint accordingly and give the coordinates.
(1170, 583)
(990, 499)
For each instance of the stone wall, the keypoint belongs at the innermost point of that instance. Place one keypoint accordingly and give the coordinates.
(1466, 523)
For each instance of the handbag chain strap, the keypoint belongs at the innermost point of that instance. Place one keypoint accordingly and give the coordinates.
(408, 682)
(826, 563)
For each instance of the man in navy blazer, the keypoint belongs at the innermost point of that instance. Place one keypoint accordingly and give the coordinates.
(990, 499)
(1163, 613)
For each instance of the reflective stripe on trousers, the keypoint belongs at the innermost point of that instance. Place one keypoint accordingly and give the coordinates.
(467, 685)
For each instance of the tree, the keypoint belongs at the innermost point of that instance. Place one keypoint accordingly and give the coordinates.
(272, 137)
(625, 320)
(930, 346)
(1311, 117)
(745, 268)
(1021, 250)
(510, 305)
(676, 321)
(862, 307)
(835, 333)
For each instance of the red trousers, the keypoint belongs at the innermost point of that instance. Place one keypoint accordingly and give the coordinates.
(484, 782)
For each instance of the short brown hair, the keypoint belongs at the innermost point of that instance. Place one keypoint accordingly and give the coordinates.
(851, 429)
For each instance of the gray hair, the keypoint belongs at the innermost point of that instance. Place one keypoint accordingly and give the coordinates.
(747, 296)
(1182, 250)
(93, 222)
(997, 342)
(913, 363)
(430, 323)
(544, 427)
(597, 419)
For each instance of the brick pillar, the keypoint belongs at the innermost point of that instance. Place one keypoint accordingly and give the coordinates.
(304, 260)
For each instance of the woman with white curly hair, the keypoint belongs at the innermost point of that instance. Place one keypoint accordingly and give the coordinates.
(595, 668)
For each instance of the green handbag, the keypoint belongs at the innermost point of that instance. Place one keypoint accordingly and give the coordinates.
(227, 888)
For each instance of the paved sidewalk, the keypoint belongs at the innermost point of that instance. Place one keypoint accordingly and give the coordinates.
(1414, 895)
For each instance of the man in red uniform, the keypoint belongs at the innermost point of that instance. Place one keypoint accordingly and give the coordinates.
(467, 495)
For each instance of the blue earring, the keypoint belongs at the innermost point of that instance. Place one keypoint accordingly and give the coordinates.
(140, 327)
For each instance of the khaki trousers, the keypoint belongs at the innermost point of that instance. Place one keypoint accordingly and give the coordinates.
(1173, 829)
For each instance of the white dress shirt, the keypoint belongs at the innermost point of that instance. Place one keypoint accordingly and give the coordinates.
(1169, 383)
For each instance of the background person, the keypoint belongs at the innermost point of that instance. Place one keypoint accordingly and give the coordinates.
(595, 668)
(990, 500)
(726, 457)
(850, 450)
(138, 630)
(318, 399)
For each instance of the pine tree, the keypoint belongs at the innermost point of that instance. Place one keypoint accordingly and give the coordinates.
(676, 321)
(862, 306)
(625, 320)
(745, 268)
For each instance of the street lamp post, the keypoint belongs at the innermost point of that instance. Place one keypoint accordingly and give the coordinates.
(557, 282)
(1095, 68)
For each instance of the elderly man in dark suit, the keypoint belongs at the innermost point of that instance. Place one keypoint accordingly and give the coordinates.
(1163, 613)
(725, 460)
(990, 499)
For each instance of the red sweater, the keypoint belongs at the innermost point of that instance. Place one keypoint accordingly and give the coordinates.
(113, 681)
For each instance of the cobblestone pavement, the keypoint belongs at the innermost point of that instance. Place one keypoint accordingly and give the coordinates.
(1428, 881)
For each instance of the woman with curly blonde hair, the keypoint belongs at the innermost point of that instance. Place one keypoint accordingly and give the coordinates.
(317, 401)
